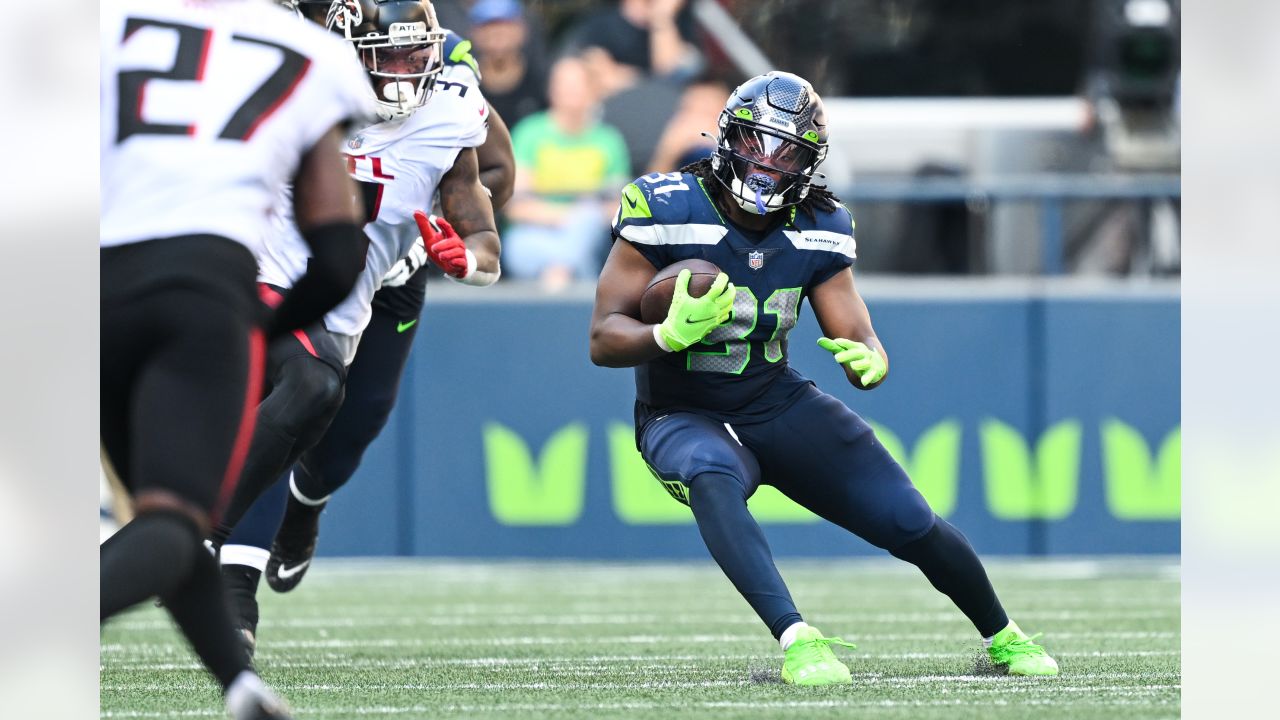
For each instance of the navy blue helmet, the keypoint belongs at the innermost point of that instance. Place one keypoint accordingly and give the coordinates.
(772, 138)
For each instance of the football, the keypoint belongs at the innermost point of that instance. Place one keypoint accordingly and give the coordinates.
(656, 299)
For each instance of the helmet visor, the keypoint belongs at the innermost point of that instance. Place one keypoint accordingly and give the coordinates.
(771, 151)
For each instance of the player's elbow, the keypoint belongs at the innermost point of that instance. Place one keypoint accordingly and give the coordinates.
(601, 354)
(599, 357)
(499, 180)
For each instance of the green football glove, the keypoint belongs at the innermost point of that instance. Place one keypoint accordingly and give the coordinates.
(869, 365)
(692, 318)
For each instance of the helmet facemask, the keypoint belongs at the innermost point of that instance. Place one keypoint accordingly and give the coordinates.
(762, 168)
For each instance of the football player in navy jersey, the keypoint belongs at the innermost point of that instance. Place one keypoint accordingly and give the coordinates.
(719, 410)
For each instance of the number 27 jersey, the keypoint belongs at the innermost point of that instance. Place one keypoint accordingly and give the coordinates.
(739, 373)
(207, 108)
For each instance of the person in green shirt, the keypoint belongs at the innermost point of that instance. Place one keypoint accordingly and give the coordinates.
(569, 168)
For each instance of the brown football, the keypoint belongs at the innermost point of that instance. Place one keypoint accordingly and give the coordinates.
(656, 299)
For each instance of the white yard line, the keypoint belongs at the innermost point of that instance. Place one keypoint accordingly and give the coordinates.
(517, 620)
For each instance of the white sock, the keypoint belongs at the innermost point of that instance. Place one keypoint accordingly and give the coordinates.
(986, 641)
(297, 495)
(243, 691)
(247, 693)
(789, 635)
(254, 557)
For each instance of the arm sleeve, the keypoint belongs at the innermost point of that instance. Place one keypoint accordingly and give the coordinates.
(337, 257)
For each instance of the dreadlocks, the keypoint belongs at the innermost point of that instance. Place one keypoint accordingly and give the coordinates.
(819, 197)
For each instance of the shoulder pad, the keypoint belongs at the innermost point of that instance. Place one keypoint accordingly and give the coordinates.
(829, 230)
(666, 198)
(456, 114)
(839, 220)
(457, 54)
(667, 209)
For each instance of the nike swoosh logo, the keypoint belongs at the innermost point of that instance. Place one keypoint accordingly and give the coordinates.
(401, 327)
(630, 202)
(285, 573)
(691, 321)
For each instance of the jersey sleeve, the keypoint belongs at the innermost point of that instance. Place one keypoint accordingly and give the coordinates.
(634, 223)
(473, 122)
(834, 238)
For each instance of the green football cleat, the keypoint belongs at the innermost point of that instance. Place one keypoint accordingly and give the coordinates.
(810, 661)
(1013, 649)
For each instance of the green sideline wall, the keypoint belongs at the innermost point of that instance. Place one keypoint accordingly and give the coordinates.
(1038, 422)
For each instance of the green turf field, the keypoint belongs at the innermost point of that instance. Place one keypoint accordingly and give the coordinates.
(407, 639)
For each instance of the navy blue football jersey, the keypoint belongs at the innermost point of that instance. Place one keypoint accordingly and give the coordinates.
(739, 373)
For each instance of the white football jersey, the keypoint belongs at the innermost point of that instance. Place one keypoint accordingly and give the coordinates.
(398, 164)
(207, 108)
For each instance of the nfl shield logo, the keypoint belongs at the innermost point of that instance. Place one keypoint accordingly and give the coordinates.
(355, 142)
(755, 260)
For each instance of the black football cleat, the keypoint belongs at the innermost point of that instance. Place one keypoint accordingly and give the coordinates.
(249, 699)
(294, 546)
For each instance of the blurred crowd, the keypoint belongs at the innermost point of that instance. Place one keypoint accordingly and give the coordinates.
(597, 92)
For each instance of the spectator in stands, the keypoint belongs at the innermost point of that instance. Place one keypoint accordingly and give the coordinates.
(653, 37)
(569, 169)
(513, 78)
(682, 140)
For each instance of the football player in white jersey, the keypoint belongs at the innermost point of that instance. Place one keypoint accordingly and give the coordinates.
(208, 109)
(373, 380)
(418, 149)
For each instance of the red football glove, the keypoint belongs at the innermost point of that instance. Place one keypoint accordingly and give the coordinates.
(443, 245)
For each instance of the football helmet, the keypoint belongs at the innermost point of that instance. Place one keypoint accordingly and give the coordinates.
(399, 42)
(772, 138)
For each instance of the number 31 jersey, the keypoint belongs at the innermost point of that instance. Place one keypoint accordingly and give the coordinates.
(738, 373)
(207, 108)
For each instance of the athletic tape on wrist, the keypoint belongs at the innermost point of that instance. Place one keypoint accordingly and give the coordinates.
(662, 343)
(478, 278)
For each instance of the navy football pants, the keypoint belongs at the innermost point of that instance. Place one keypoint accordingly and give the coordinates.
(818, 452)
(823, 456)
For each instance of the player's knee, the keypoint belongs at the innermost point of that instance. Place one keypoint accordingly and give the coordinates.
(174, 527)
(912, 518)
(312, 388)
(163, 503)
(904, 517)
(716, 488)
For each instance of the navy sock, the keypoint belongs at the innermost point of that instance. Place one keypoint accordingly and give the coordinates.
(147, 558)
(947, 559)
(738, 545)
